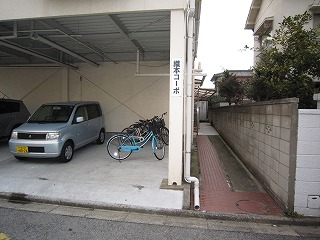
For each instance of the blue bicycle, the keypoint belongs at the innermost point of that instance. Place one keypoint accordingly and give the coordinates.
(120, 146)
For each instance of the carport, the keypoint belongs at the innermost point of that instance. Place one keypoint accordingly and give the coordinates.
(134, 57)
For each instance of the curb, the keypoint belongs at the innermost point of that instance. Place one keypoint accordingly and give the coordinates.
(25, 199)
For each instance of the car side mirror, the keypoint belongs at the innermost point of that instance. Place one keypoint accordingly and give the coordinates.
(79, 119)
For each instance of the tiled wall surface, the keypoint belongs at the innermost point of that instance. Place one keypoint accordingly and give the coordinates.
(307, 191)
(264, 137)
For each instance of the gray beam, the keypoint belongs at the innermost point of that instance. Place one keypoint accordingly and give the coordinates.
(124, 31)
(63, 49)
(55, 25)
(33, 53)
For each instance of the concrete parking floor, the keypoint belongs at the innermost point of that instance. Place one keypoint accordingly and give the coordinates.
(92, 177)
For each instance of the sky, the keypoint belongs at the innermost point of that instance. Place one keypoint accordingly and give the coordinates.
(222, 37)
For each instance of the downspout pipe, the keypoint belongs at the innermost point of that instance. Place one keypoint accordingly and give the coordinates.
(189, 104)
(138, 62)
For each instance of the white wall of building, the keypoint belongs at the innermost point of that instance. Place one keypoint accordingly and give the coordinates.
(307, 186)
(278, 9)
(33, 86)
(124, 98)
(17, 9)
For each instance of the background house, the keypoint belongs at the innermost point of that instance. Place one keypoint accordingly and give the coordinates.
(265, 15)
(241, 75)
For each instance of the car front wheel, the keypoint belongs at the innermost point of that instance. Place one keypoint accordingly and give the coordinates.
(66, 152)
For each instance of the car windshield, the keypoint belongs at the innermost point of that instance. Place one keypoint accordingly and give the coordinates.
(51, 114)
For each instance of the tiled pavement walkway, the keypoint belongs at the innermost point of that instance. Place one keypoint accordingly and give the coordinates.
(217, 196)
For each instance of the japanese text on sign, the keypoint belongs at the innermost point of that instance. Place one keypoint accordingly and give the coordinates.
(176, 75)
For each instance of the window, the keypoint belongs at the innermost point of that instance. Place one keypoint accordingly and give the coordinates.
(81, 112)
(316, 20)
(9, 107)
(93, 111)
(265, 40)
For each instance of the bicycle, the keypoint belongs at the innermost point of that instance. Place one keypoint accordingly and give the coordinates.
(139, 129)
(162, 130)
(120, 146)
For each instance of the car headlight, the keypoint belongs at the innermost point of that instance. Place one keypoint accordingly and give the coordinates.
(52, 136)
(14, 135)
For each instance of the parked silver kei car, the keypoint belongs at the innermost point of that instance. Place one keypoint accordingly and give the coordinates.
(57, 129)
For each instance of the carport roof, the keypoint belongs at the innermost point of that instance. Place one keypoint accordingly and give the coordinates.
(201, 93)
(86, 38)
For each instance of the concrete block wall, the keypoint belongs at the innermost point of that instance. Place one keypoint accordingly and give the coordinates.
(264, 137)
(307, 191)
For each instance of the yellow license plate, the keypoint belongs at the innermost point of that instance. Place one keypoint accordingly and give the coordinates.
(22, 149)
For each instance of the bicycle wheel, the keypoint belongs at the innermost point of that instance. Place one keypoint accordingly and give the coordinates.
(164, 132)
(114, 144)
(128, 131)
(159, 149)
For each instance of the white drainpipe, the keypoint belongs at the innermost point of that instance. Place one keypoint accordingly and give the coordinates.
(189, 104)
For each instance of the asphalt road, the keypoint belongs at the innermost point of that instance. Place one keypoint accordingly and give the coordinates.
(21, 224)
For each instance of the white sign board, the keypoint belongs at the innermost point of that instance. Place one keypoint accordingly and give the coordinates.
(176, 71)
